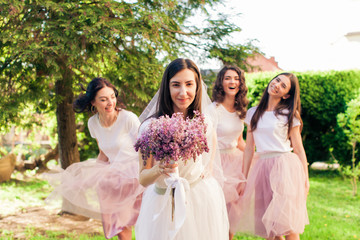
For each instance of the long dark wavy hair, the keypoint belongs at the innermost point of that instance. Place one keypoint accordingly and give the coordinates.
(83, 102)
(291, 105)
(165, 103)
(218, 94)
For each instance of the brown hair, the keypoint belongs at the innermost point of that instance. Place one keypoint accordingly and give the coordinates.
(83, 102)
(165, 103)
(218, 93)
(292, 104)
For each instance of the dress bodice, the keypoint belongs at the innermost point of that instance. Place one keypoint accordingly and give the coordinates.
(191, 171)
(229, 127)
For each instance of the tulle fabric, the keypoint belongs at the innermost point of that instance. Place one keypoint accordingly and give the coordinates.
(274, 202)
(211, 160)
(232, 164)
(206, 216)
(110, 192)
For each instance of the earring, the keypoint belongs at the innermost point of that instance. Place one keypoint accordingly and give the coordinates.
(93, 109)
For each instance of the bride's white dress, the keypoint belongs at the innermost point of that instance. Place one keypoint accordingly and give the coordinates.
(199, 206)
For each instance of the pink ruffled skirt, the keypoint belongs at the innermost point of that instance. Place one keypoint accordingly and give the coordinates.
(274, 202)
(232, 165)
(110, 192)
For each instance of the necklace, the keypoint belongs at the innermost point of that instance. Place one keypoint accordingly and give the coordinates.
(102, 122)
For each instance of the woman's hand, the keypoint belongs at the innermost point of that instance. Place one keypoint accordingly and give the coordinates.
(166, 168)
(241, 188)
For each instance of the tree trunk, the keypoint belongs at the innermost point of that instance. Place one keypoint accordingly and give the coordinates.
(66, 127)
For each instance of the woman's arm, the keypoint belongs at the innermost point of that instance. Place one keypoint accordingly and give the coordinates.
(299, 150)
(248, 156)
(101, 157)
(148, 172)
(241, 143)
(151, 171)
(248, 151)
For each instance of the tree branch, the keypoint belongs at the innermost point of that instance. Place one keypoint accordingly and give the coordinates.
(179, 32)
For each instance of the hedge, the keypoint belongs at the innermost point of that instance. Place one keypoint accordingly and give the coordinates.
(323, 96)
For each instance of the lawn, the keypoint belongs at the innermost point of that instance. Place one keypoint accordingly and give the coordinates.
(333, 212)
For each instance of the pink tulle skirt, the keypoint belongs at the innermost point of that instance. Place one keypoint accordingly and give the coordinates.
(110, 192)
(274, 202)
(232, 164)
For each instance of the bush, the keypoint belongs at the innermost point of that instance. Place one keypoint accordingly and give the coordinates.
(350, 122)
(323, 96)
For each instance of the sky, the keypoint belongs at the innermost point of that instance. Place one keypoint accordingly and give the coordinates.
(302, 35)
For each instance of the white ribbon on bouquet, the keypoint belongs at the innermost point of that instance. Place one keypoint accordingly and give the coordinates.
(181, 188)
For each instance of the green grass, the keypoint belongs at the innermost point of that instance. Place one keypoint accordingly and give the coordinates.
(333, 212)
(33, 234)
(22, 193)
(25, 190)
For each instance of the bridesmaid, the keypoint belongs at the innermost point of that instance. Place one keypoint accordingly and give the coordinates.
(230, 104)
(274, 201)
(107, 186)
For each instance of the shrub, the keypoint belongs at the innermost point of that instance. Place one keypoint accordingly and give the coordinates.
(323, 96)
(350, 122)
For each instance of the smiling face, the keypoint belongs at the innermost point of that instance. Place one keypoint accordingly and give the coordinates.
(279, 87)
(182, 90)
(231, 83)
(105, 101)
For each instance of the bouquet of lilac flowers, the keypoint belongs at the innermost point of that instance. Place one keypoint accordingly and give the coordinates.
(174, 138)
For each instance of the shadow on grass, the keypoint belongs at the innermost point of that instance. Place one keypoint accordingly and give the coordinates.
(324, 173)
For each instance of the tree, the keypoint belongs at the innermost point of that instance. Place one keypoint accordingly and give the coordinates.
(234, 54)
(49, 47)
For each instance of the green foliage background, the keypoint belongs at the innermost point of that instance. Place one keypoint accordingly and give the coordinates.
(50, 48)
(323, 96)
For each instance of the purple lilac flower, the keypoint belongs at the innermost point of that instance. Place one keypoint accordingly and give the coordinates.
(174, 138)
